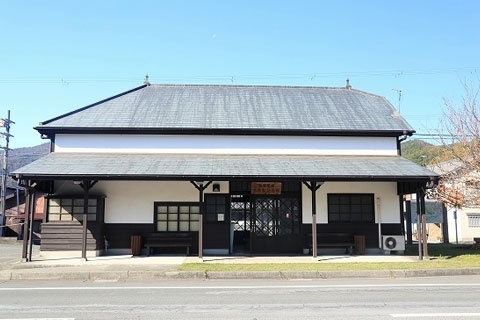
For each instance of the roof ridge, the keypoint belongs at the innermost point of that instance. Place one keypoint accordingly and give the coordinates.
(243, 86)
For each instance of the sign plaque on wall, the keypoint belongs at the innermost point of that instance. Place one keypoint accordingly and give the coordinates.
(266, 188)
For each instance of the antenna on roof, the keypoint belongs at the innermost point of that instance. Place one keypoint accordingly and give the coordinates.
(146, 80)
(399, 97)
(348, 86)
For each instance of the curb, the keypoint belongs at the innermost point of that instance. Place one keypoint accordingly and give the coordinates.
(36, 274)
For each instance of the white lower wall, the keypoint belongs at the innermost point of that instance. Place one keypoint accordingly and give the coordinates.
(385, 193)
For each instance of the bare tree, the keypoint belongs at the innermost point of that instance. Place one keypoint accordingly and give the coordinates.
(459, 163)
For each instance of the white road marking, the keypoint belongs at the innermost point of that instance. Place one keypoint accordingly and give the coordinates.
(416, 285)
(434, 315)
(40, 319)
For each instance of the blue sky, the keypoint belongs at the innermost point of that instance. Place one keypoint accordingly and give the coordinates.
(57, 56)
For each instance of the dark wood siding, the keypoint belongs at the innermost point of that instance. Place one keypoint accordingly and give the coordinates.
(216, 236)
(369, 230)
(119, 235)
(69, 236)
(291, 244)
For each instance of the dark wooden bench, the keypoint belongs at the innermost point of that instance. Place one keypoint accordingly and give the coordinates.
(333, 240)
(476, 244)
(168, 240)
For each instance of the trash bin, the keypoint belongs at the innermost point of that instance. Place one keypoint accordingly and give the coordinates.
(136, 245)
(359, 244)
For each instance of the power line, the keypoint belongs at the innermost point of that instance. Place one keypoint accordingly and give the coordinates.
(228, 78)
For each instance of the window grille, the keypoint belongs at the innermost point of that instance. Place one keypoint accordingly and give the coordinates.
(177, 216)
(348, 208)
(474, 221)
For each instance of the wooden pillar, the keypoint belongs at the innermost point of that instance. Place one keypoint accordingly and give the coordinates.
(200, 186)
(446, 238)
(31, 204)
(314, 186)
(408, 220)
(424, 224)
(86, 185)
(314, 223)
(26, 223)
(84, 219)
(200, 221)
(419, 227)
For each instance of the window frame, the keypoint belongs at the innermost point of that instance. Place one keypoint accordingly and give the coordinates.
(216, 204)
(70, 209)
(349, 206)
(176, 217)
(473, 220)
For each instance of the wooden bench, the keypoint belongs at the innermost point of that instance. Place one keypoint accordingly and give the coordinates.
(333, 240)
(476, 244)
(168, 240)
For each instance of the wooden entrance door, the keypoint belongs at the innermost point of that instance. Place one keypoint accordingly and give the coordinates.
(216, 224)
(276, 224)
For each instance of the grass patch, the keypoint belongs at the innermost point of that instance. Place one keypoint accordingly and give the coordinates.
(445, 256)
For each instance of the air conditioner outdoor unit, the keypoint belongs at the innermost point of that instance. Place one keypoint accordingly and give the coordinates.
(393, 243)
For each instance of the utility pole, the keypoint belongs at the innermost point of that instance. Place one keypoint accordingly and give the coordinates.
(6, 124)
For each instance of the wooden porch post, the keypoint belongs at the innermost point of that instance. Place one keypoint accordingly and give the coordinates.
(419, 227)
(424, 224)
(31, 215)
(86, 186)
(408, 218)
(201, 188)
(314, 186)
(28, 220)
(445, 224)
(26, 223)
(84, 219)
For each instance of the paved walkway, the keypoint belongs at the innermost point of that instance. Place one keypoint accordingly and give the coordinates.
(126, 267)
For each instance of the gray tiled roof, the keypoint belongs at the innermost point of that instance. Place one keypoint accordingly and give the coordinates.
(229, 107)
(182, 166)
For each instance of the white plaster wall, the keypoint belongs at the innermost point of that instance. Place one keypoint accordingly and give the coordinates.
(218, 144)
(385, 193)
(465, 233)
(132, 201)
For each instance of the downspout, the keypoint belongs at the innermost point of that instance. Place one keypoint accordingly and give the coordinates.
(400, 140)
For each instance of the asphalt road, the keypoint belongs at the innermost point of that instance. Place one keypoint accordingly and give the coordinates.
(422, 298)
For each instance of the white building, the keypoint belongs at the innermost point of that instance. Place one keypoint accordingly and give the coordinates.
(195, 160)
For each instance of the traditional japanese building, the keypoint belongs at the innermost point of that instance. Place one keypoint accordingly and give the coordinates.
(235, 168)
